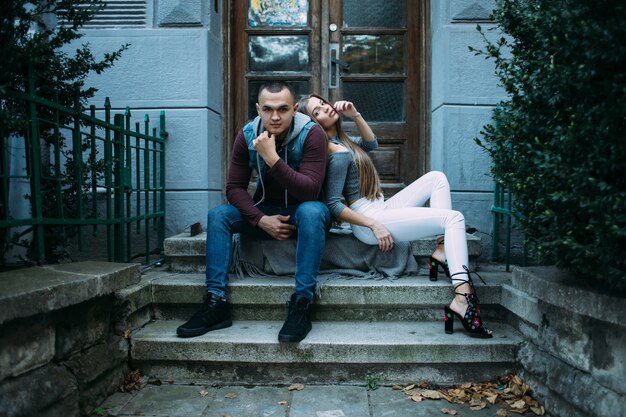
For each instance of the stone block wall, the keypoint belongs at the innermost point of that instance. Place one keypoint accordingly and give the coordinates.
(62, 346)
(575, 353)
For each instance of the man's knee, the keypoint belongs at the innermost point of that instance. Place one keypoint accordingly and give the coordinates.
(221, 213)
(312, 213)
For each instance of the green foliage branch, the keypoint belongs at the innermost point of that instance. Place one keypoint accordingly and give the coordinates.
(558, 142)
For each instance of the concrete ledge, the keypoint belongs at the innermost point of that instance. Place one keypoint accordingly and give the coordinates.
(551, 286)
(30, 291)
(521, 304)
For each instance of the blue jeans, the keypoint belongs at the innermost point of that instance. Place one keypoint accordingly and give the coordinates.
(312, 221)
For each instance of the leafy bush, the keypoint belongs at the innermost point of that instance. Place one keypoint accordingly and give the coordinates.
(35, 33)
(559, 141)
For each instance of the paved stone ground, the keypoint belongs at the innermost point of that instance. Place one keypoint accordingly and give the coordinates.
(174, 400)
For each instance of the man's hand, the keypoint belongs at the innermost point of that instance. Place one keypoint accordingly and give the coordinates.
(276, 227)
(265, 145)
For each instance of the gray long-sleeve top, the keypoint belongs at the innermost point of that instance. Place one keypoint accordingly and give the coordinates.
(342, 176)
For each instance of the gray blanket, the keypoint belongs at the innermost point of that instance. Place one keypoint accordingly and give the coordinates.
(344, 256)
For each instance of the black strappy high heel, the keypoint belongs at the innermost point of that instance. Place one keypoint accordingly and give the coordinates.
(471, 321)
(433, 268)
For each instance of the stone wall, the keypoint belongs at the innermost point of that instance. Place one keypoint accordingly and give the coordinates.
(575, 354)
(62, 350)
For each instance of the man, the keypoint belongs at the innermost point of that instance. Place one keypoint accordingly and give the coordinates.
(288, 151)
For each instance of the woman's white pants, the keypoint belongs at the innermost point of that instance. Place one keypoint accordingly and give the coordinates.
(406, 218)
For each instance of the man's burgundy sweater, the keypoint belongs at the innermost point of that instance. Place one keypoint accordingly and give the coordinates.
(302, 185)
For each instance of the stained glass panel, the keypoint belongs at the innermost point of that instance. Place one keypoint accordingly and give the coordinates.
(292, 13)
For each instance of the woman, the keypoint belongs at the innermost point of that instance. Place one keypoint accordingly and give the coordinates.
(351, 174)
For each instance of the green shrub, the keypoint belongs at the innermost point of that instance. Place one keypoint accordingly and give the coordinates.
(559, 141)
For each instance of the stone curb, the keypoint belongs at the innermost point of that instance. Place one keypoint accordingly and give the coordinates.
(30, 291)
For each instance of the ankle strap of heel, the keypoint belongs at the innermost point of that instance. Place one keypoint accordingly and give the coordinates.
(466, 281)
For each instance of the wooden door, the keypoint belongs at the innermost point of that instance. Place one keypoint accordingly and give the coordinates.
(371, 52)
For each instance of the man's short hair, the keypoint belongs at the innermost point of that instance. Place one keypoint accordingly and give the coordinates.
(276, 87)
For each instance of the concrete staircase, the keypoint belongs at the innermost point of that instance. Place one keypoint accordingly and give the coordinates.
(391, 331)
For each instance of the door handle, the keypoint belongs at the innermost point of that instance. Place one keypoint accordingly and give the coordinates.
(343, 64)
(335, 65)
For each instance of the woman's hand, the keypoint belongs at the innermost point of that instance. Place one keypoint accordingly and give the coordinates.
(385, 241)
(346, 108)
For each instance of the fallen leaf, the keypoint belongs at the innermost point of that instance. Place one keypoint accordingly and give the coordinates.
(431, 394)
(396, 388)
(203, 393)
(445, 395)
(230, 395)
(478, 406)
(538, 410)
(503, 412)
(283, 403)
(519, 404)
(417, 398)
(296, 387)
(423, 385)
(409, 387)
(131, 382)
(449, 412)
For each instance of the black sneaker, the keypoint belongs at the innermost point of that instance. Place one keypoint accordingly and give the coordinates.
(213, 314)
(298, 323)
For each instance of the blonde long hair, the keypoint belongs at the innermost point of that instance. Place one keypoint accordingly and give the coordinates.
(369, 182)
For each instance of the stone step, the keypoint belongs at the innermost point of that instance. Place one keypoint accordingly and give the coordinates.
(186, 253)
(333, 352)
(175, 296)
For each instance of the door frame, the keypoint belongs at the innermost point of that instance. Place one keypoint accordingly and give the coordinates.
(231, 39)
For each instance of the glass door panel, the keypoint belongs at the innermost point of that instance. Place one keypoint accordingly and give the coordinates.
(278, 53)
(374, 54)
(377, 101)
(373, 13)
